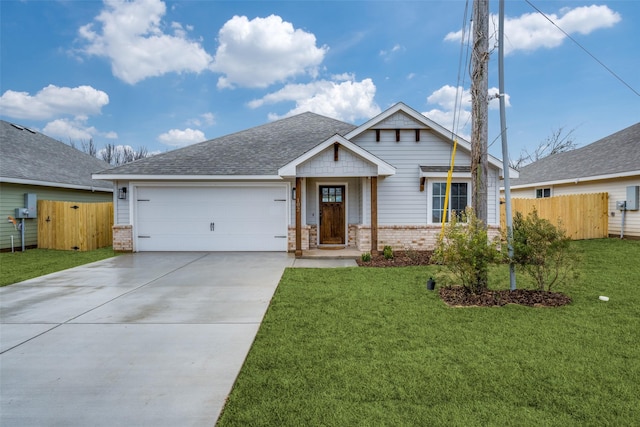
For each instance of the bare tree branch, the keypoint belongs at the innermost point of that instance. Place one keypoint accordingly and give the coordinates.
(558, 142)
(89, 147)
(115, 155)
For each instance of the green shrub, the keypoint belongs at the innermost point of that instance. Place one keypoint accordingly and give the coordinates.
(542, 250)
(387, 252)
(366, 257)
(466, 251)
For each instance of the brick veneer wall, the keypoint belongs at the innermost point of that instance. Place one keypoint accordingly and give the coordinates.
(399, 237)
(291, 238)
(418, 237)
(123, 238)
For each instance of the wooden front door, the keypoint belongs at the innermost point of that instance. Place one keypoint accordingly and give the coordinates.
(332, 212)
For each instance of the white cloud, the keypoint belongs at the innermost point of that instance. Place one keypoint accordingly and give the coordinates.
(264, 51)
(53, 101)
(205, 119)
(387, 54)
(446, 118)
(75, 130)
(346, 100)
(181, 138)
(67, 129)
(130, 35)
(532, 31)
(455, 104)
(446, 97)
(343, 77)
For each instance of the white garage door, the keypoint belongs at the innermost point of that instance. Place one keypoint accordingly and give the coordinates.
(242, 218)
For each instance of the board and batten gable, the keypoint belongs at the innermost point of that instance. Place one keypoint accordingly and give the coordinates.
(400, 201)
(325, 165)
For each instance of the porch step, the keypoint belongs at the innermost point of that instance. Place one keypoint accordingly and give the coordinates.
(331, 254)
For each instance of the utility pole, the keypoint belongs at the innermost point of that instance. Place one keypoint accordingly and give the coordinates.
(479, 108)
(505, 147)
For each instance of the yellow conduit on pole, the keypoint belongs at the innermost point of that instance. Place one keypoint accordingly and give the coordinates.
(448, 189)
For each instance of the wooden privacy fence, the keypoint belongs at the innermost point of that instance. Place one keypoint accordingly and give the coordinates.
(582, 216)
(74, 226)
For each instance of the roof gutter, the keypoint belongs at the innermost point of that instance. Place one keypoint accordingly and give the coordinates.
(137, 177)
(576, 180)
(91, 188)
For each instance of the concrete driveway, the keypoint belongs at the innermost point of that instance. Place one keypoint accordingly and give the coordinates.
(149, 339)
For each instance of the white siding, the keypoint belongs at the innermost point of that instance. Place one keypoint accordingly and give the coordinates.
(348, 164)
(121, 206)
(312, 200)
(399, 120)
(617, 189)
(400, 201)
(493, 198)
(365, 201)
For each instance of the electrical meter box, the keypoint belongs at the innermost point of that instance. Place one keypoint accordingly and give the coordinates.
(30, 209)
(633, 192)
(22, 213)
(31, 203)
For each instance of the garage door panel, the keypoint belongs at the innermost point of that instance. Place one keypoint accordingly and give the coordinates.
(212, 218)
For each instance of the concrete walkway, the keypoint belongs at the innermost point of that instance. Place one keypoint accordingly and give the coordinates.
(149, 339)
(323, 263)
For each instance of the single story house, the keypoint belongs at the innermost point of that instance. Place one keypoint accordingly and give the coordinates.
(33, 163)
(610, 165)
(299, 183)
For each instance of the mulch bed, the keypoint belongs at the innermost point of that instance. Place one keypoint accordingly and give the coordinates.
(400, 259)
(457, 296)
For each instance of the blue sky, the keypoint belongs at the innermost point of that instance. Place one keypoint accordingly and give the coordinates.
(168, 74)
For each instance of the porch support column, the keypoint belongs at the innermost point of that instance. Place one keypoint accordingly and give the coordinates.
(298, 216)
(374, 215)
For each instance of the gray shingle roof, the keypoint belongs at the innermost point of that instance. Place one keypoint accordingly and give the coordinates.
(617, 153)
(261, 150)
(29, 155)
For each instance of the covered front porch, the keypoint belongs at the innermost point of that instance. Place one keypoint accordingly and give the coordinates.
(335, 192)
(337, 215)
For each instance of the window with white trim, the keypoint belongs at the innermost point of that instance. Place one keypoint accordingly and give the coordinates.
(543, 192)
(458, 199)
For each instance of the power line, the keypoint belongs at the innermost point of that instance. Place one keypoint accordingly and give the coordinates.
(584, 49)
(460, 93)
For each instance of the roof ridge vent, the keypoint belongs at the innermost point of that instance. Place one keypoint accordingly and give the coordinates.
(17, 126)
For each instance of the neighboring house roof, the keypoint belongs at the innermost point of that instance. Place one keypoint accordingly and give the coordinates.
(259, 151)
(616, 155)
(29, 157)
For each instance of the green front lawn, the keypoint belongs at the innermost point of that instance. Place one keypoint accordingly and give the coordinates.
(364, 346)
(18, 266)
